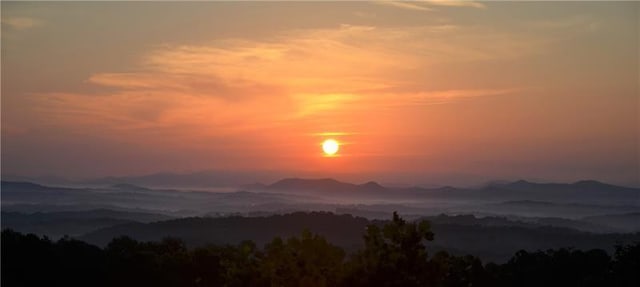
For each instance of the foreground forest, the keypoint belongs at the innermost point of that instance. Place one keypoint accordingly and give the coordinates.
(393, 254)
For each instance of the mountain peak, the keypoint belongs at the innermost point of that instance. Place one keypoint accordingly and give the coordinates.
(297, 180)
(21, 184)
(520, 184)
(589, 182)
(128, 187)
(301, 183)
(594, 184)
(372, 185)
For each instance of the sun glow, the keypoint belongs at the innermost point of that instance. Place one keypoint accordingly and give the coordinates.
(330, 147)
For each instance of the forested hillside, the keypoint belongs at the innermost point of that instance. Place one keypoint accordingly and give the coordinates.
(392, 254)
(492, 239)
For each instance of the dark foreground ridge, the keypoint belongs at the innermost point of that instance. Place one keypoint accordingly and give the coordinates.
(492, 239)
(393, 254)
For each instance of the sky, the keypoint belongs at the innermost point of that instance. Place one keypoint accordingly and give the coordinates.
(424, 92)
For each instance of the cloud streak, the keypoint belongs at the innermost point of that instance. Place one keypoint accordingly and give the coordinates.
(454, 3)
(409, 5)
(429, 5)
(299, 82)
(21, 23)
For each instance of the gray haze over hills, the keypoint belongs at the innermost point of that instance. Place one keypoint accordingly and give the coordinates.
(584, 214)
(583, 199)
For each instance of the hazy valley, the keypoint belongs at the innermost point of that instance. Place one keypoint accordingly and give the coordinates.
(492, 222)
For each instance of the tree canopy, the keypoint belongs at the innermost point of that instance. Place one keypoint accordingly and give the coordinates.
(394, 254)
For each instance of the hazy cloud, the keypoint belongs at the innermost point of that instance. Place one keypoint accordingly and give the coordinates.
(21, 23)
(297, 74)
(427, 5)
(454, 3)
(410, 5)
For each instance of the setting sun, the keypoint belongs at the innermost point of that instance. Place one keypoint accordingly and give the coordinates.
(330, 147)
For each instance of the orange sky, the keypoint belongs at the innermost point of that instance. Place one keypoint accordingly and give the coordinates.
(440, 92)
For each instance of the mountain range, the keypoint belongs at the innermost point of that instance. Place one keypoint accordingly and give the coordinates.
(584, 214)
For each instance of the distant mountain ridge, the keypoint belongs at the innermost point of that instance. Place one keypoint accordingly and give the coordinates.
(326, 184)
(128, 186)
(57, 224)
(523, 198)
(583, 192)
(22, 185)
(329, 184)
(288, 183)
(590, 184)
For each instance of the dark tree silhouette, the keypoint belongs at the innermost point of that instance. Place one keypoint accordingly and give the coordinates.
(306, 261)
(627, 265)
(394, 254)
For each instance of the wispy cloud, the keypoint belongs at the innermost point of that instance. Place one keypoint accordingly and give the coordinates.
(577, 22)
(231, 87)
(21, 23)
(447, 96)
(428, 5)
(410, 5)
(454, 3)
